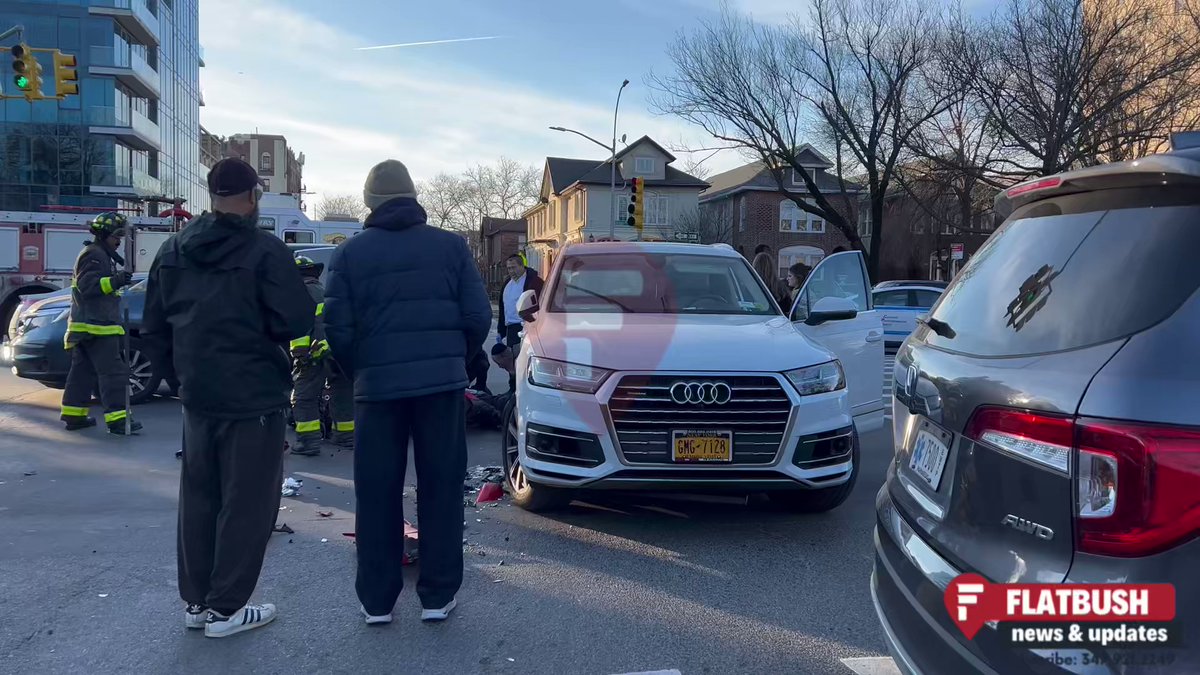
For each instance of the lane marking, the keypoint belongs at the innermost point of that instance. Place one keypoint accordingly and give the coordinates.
(872, 665)
(656, 672)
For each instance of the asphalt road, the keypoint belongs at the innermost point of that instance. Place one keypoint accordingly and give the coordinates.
(619, 585)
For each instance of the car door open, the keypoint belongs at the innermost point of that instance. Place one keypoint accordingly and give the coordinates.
(834, 308)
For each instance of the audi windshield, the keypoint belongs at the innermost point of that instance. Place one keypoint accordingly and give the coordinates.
(659, 283)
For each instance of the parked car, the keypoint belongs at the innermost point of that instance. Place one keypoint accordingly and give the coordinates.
(665, 365)
(36, 350)
(1046, 420)
(900, 304)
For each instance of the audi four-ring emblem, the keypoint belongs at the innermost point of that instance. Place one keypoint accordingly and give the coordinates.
(714, 393)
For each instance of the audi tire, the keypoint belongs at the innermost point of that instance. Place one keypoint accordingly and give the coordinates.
(816, 501)
(525, 493)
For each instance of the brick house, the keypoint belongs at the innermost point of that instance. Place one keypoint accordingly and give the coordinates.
(746, 206)
(502, 238)
(917, 245)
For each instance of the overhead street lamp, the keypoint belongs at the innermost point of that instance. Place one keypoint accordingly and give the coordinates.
(612, 181)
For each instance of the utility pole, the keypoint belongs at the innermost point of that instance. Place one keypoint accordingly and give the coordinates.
(612, 181)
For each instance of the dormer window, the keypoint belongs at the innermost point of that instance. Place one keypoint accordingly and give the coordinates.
(798, 179)
(643, 166)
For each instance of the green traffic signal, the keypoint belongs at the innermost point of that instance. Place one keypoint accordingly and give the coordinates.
(22, 82)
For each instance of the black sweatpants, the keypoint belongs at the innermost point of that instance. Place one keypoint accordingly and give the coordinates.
(436, 425)
(228, 501)
(512, 338)
(96, 360)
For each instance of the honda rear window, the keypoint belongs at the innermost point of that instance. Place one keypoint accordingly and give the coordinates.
(1075, 271)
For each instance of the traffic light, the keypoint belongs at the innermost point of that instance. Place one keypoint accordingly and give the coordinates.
(65, 77)
(27, 72)
(637, 203)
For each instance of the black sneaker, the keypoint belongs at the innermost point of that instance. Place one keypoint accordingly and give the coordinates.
(307, 448)
(118, 428)
(77, 423)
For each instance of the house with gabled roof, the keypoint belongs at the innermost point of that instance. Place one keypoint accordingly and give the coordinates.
(576, 201)
(763, 222)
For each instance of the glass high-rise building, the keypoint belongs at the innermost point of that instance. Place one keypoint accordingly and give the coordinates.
(134, 129)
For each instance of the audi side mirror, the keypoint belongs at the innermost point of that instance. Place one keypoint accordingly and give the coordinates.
(831, 309)
(527, 306)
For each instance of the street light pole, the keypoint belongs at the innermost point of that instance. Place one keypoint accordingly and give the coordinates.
(612, 181)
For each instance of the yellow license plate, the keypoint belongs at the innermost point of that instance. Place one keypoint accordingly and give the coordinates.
(702, 446)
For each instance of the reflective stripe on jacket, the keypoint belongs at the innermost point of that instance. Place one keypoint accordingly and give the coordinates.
(95, 304)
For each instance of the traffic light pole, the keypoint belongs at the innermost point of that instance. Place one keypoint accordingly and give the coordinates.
(15, 30)
(612, 181)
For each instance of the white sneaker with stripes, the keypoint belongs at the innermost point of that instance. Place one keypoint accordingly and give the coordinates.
(196, 616)
(246, 618)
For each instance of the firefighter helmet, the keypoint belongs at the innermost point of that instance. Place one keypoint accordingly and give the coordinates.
(308, 267)
(108, 224)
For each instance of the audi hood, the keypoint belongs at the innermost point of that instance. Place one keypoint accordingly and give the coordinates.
(673, 342)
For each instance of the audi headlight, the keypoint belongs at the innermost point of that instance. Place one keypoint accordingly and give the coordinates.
(545, 372)
(819, 379)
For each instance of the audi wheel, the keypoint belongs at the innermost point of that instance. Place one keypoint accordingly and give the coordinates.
(525, 494)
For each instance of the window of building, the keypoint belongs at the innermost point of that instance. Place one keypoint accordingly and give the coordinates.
(266, 183)
(798, 179)
(264, 164)
(918, 226)
(643, 165)
(790, 255)
(578, 203)
(657, 211)
(947, 227)
(794, 219)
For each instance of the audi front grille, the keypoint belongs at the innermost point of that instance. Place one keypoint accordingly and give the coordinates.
(645, 409)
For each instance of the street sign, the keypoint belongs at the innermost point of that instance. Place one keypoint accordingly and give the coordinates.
(956, 251)
(687, 236)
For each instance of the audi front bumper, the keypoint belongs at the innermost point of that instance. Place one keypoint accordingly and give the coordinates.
(801, 443)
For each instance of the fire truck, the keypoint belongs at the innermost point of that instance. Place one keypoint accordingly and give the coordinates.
(38, 249)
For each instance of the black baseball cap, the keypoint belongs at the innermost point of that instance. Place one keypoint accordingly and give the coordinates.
(232, 176)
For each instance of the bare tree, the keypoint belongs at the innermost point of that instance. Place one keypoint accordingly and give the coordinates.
(341, 205)
(1069, 83)
(445, 200)
(853, 83)
(703, 226)
(694, 166)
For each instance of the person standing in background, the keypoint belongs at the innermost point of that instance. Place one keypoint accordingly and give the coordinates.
(508, 325)
(312, 368)
(796, 276)
(223, 300)
(404, 308)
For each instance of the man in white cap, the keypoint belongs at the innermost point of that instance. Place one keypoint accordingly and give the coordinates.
(404, 308)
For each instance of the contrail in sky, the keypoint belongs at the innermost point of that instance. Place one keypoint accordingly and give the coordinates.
(430, 42)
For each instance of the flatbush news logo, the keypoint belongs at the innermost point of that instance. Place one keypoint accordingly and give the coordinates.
(1042, 616)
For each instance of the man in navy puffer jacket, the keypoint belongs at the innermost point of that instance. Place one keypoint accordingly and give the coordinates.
(404, 308)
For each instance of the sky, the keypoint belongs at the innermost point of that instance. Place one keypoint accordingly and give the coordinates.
(294, 67)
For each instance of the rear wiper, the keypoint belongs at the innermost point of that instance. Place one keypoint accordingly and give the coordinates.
(940, 327)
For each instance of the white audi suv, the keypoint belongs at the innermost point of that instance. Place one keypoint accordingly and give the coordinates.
(670, 366)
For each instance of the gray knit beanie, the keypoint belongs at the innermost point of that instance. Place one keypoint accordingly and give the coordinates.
(388, 180)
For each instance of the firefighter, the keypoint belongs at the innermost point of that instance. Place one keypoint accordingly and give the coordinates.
(94, 331)
(313, 367)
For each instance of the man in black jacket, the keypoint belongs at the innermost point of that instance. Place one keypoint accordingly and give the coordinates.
(94, 330)
(223, 301)
(508, 326)
(404, 307)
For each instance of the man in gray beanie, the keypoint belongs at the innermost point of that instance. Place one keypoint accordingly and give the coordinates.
(404, 309)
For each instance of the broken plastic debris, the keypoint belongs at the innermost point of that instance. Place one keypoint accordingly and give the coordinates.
(30, 473)
(291, 487)
(478, 476)
(491, 492)
(104, 595)
(324, 541)
(512, 660)
(325, 514)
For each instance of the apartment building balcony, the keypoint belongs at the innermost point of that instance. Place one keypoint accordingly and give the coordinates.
(130, 126)
(122, 182)
(139, 17)
(128, 67)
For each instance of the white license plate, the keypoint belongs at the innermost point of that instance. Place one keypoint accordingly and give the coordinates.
(929, 458)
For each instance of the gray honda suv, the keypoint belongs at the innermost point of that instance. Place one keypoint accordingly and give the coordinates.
(1047, 418)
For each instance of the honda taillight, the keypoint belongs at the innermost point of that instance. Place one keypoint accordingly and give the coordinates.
(1040, 438)
(1138, 487)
